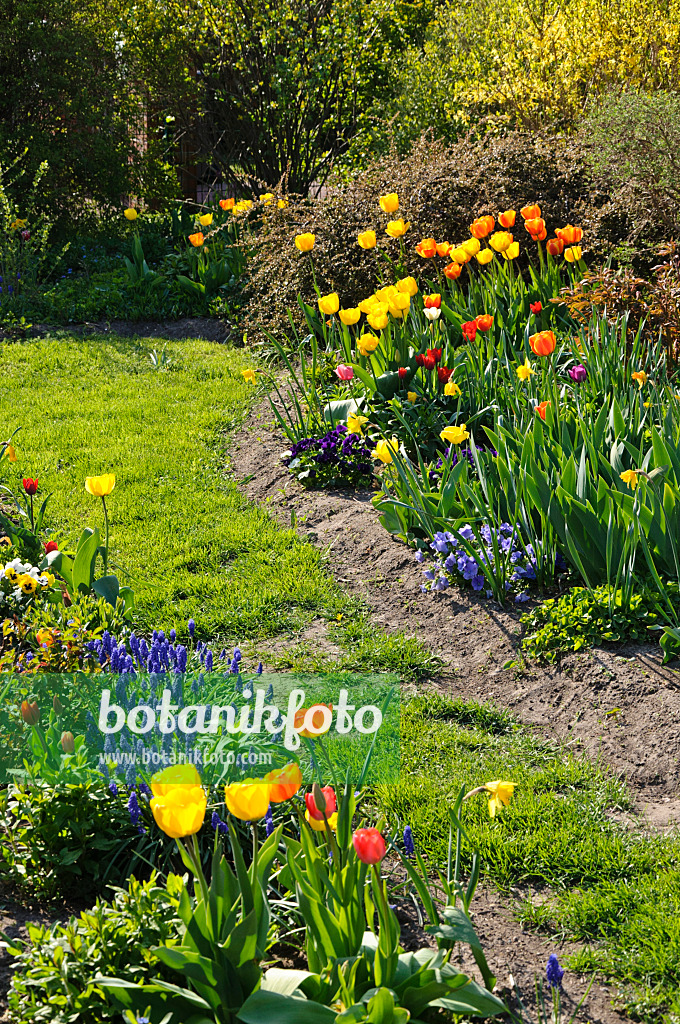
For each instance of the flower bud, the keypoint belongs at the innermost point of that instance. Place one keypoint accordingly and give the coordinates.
(68, 744)
(30, 712)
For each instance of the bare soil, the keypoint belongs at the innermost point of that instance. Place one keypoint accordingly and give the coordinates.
(210, 328)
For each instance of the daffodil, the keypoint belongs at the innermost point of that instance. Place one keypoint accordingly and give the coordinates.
(525, 370)
(355, 423)
(501, 795)
(640, 376)
(249, 376)
(630, 477)
(455, 434)
(451, 389)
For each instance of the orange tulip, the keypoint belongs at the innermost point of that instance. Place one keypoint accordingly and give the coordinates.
(570, 235)
(443, 248)
(227, 204)
(284, 783)
(535, 226)
(452, 271)
(484, 322)
(196, 239)
(530, 212)
(540, 409)
(507, 219)
(482, 226)
(543, 343)
(427, 248)
(555, 246)
(318, 721)
(432, 301)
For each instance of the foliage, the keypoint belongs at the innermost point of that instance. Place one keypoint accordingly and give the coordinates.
(582, 618)
(54, 969)
(335, 460)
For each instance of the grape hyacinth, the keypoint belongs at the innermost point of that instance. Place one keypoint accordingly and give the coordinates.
(554, 973)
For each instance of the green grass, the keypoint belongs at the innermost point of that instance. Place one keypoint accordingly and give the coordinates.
(612, 887)
(182, 534)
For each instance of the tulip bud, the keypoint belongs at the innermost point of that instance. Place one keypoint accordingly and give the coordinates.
(30, 712)
(319, 798)
(57, 705)
(68, 744)
(397, 355)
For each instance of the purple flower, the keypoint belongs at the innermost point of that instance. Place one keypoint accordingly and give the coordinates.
(578, 373)
(420, 557)
(191, 626)
(217, 824)
(268, 822)
(466, 532)
(554, 973)
(133, 808)
(408, 842)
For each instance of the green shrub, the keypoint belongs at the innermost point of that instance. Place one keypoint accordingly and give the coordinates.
(53, 971)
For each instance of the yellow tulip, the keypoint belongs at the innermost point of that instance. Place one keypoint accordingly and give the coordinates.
(408, 285)
(305, 242)
(368, 343)
(242, 206)
(455, 435)
(385, 450)
(411, 397)
(367, 240)
(485, 256)
(249, 376)
(397, 228)
(319, 826)
(389, 203)
(248, 800)
(501, 795)
(573, 254)
(282, 204)
(130, 213)
(179, 801)
(366, 305)
(377, 320)
(629, 476)
(355, 423)
(512, 251)
(472, 246)
(500, 241)
(350, 316)
(100, 486)
(205, 220)
(460, 255)
(452, 389)
(524, 371)
(329, 303)
(386, 294)
(266, 198)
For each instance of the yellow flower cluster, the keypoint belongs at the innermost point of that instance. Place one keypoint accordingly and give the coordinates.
(393, 300)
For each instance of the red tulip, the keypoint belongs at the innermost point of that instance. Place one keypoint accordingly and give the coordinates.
(470, 330)
(452, 271)
(420, 359)
(433, 301)
(540, 409)
(436, 354)
(484, 322)
(555, 246)
(30, 486)
(51, 546)
(369, 845)
(543, 343)
(443, 374)
(427, 248)
(429, 362)
(331, 803)
(402, 372)
(535, 307)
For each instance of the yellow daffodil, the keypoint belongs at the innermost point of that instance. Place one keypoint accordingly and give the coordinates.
(512, 252)
(367, 240)
(349, 316)
(411, 397)
(455, 434)
(355, 423)
(397, 228)
(630, 477)
(247, 800)
(485, 256)
(525, 370)
(640, 376)
(367, 343)
(385, 450)
(501, 795)
(249, 376)
(451, 389)
(329, 303)
(130, 214)
(100, 486)
(205, 220)
(179, 801)
(389, 203)
(305, 242)
(408, 285)
(11, 453)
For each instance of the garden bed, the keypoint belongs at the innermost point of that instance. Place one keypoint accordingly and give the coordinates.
(204, 327)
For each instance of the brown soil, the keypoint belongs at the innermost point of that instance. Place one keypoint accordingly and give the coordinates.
(206, 327)
(620, 703)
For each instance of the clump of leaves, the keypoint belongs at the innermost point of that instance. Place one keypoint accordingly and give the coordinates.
(581, 619)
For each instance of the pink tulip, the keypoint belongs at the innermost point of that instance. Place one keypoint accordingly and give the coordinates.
(344, 372)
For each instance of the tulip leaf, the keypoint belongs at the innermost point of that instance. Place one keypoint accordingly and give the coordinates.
(83, 565)
(265, 1007)
(108, 588)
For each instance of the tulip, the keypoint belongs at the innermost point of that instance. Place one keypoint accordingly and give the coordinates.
(535, 225)
(196, 239)
(452, 390)
(471, 247)
(443, 248)
(227, 204)
(541, 409)
(57, 705)
(305, 242)
(507, 219)
(531, 212)
(411, 397)
(30, 486)
(638, 375)
(501, 795)
(329, 303)
(45, 638)
(205, 220)
(350, 316)
(578, 373)
(500, 241)
(266, 198)
(482, 227)
(569, 234)
(443, 374)
(320, 826)
(397, 228)
(179, 801)
(355, 424)
(427, 248)
(378, 321)
(629, 476)
(282, 204)
(469, 329)
(555, 246)
(535, 307)
(399, 303)
(455, 434)
(432, 301)
(403, 372)
(100, 486)
(51, 545)
(574, 254)
(320, 724)
(484, 322)
(432, 313)
(369, 845)
(25, 236)
(525, 371)
(428, 361)
(512, 252)
(321, 801)
(68, 744)
(130, 214)
(453, 270)
(367, 343)
(460, 255)
(344, 372)
(484, 257)
(284, 783)
(249, 376)
(367, 240)
(385, 450)
(242, 206)
(389, 203)
(30, 712)
(409, 285)
(247, 800)
(543, 343)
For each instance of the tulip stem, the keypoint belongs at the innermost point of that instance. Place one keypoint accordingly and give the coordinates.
(255, 848)
(106, 529)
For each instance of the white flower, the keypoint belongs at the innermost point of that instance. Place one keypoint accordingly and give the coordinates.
(432, 314)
